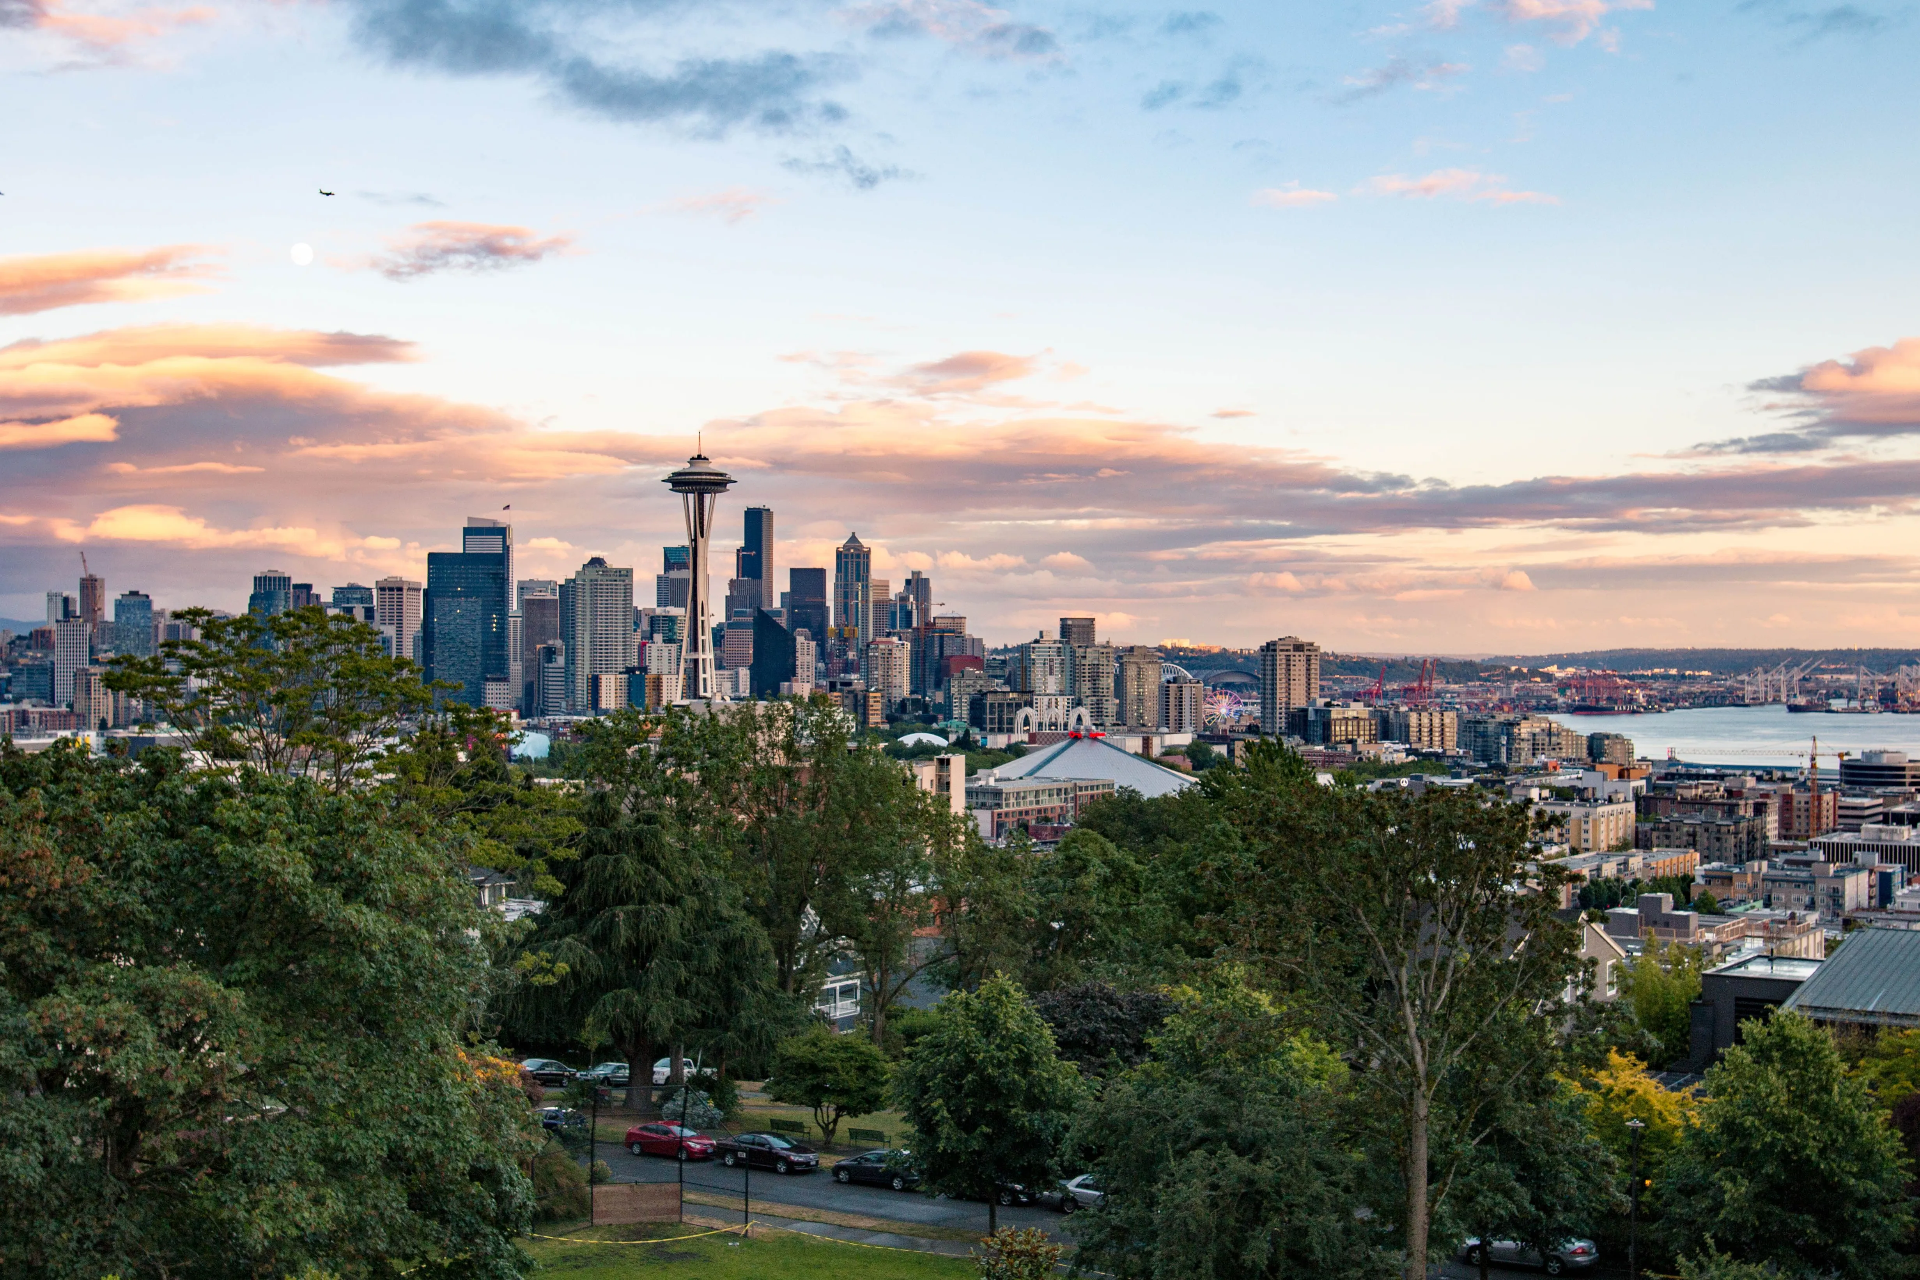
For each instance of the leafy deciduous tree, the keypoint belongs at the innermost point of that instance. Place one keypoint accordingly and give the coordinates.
(1223, 1155)
(838, 1076)
(208, 988)
(1791, 1164)
(1407, 929)
(987, 1097)
(306, 692)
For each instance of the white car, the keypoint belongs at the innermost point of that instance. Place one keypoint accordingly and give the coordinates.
(664, 1067)
(1079, 1193)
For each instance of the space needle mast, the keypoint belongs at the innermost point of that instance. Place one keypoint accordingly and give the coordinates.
(699, 485)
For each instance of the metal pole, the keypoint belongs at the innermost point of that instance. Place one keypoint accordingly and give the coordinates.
(1633, 1212)
(680, 1152)
(746, 1213)
(593, 1150)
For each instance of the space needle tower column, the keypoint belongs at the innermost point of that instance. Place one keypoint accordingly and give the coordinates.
(699, 485)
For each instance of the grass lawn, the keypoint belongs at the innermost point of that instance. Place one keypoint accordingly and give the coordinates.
(770, 1255)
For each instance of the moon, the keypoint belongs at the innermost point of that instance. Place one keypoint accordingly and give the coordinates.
(302, 254)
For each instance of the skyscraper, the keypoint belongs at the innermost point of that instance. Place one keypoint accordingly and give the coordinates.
(774, 656)
(352, 596)
(755, 558)
(133, 625)
(670, 585)
(1040, 666)
(1093, 680)
(1289, 677)
(885, 669)
(396, 611)
(1140, 687)
(93, 601)
(272, 593)
(852, 580)
(465, 622)
(484, 535)
(539, 625)
(60, 607)
(807, 603)
(596, 626)
(72, 647)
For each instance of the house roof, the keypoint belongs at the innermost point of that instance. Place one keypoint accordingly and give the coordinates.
(1089, 758)
(1874, 977)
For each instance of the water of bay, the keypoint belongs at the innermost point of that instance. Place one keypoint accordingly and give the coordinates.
(1754, 735)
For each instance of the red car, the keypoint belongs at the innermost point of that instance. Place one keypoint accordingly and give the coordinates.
(663, 1139)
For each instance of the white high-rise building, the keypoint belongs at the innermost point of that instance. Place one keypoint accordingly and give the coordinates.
(396, 610)
(596, 624)
(72, 649)
(1183, 706)
(887, 670)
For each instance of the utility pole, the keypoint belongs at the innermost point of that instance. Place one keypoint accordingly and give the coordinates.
(1633, 1212)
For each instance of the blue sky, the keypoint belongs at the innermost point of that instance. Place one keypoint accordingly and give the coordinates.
(1419, 328)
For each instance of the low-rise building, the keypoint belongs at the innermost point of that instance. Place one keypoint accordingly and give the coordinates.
(1735, 839)
(1422, 728)
(1653, 915)
(1593, 825)
(1885, 842)
(1872, 981)
(1736, 992)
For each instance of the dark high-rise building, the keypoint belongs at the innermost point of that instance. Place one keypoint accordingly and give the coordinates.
(670, 586)
(353, 596)
(302, 595)
(807, 603)
(133, 625)
(488, 536)
(272, 593)
(773, 656)
(1077, 631)
(754, 560)
(464, 623)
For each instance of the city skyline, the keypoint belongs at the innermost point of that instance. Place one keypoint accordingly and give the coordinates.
(1464, 328)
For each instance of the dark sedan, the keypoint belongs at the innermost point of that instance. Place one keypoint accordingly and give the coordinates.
(548, 1071)
(878, 1169)
(768, 1151)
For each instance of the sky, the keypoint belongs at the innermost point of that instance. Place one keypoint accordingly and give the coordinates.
(1479, 326)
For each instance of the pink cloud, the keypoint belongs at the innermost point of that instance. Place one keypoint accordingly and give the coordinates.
(32, 284)
(106, 32)
(431, 247)
(732, 206)
(967, 371)
(1571, 20)
(1291, 196)
(1454, 184)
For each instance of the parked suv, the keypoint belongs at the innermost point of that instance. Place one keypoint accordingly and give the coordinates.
(768, 1151)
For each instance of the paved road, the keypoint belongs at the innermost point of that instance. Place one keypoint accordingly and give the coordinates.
(820, 1191)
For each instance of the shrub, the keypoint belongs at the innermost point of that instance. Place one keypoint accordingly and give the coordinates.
(559, 1186)
(1017, 1255)
(693, 1108)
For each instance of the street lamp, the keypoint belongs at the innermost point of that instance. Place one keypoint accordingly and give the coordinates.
(699, 485)
(1633, 1210)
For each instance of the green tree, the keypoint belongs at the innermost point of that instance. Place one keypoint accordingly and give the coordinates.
(1706, 904)
(1890, 1065)
(647, 947)
(306, 693)
(1624, 1091)
(234, 1018)
(1101, 1029)
(1095, 913)
(1792, 1163)
(1224, 1155)
(1404, 925)
(1660, 986)
(838, 1076)
(1201, 755)
(987, 1097)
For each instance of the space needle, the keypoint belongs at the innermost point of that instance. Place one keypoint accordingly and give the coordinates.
(699, 485)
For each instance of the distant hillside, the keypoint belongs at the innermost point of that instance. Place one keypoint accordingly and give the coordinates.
(19, 626)
(1719, 661)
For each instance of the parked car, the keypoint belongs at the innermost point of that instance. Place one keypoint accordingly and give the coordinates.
(549, 1071)
(880, 1168)
(608, 1073)
(559, 1118)
(1570, 1255)
(768, 1151)
(1079, 1193)
(663, 1068)
(662, 1139)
